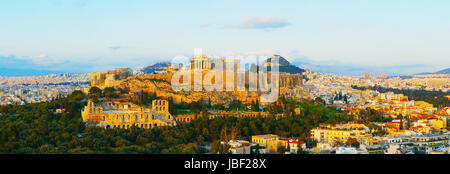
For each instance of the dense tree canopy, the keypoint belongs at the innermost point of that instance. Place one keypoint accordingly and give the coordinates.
(109, 92)
(95, 93)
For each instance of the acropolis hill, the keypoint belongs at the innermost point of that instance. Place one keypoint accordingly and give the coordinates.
(160, 83)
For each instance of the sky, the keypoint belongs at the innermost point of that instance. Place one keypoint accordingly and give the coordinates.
(403, 36)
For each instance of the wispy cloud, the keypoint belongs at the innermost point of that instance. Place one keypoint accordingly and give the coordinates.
(117, 47)
(264, 22)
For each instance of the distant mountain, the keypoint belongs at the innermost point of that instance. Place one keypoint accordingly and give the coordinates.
(24, 72)
(286, 66)
(424, 73)
(444, 71)
(25, 66)
(155, 67)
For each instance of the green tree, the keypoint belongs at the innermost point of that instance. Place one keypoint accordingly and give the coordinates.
(109, 92)
(401, 121)
(95, 93)
(319, 101)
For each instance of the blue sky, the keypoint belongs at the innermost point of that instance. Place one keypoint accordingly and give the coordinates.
(94, 35)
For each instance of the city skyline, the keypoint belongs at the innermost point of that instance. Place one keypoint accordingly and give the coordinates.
(84, 36)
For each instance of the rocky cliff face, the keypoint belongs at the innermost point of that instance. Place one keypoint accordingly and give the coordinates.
(160, 84)
(148, 83)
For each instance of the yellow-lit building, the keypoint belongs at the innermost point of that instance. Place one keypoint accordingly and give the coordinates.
(439, 123)
(422, 104)
(262, 139)
(341, 133)
(275, 145)
(330, 135)
(124, 115)
(110, 78)
(272, 142)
